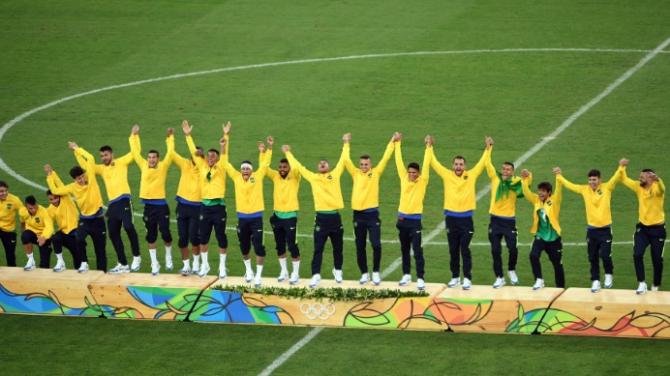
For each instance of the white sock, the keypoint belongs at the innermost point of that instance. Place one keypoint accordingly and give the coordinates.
(168, 253)
(203, 257)
(196, 261)
(282, 264)
(259, 271)
(296, 266)
(31, 257)
(187, 264)
(152, 253)
(59, 257)
(222, 261)
(247, 265)
(137, 258)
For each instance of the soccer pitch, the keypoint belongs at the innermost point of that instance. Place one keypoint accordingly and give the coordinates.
(306, 72)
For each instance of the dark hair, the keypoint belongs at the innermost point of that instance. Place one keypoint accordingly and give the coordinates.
(76, 171)
(106, 148)
(364, 156)
(152, 151)
(648, 170)
(414, 165)
(283, 160)
(248, 161)
(459, 157)
(594, 172)
(3, 184)
(199, 148)
(49, 193)
(545, 186)
(213, 151)
(31, 200)
(509, 164)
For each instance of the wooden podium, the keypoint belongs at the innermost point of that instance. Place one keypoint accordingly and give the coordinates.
(44, 292)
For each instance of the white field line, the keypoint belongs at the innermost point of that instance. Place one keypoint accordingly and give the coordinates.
(532, 151)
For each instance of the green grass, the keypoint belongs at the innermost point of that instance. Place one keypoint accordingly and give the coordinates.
(53, 50)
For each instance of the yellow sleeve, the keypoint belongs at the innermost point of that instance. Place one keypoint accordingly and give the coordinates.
(86, 160)
(658, 188)
(169, 155)
(569, 185)
(628, 182)
(490, 169)
(180, 161)
(611, 184)
(479, 167)
(48, 226)
(348, 164)
(381, 166)
(265, 159)
(527, 193)
(230, 169)
(56, 189)
(557, 195)
(339, 167)
(295, 164)
(191, 146)
(425, 167)
(23, 215)
(135, 149)
(56, 179)
(126, 159)
(435, 164)
(399, 164)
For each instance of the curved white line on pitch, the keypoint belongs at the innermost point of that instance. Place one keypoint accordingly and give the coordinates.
(7, 126)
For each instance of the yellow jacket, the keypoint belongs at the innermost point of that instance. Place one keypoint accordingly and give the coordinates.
(285, 190)
(651, 199)
(365, 194)
(212, 178)
(152, 180)
(9, 208)
(412, 193)
(248, 194)
(596, 202)
(40, 223)
(87, 197)
(115, 175)
(552, 206)
(190, 184)
(65, 215)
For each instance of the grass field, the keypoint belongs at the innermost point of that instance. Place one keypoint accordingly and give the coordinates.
(57, 50)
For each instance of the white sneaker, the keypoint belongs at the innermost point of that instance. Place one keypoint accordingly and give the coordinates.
(539, 283)
(283, 276)
(185, 271)
(295, 278)
(60, 267)
(257, 280)
(204, 269)
(466, 284)
(609, 281)
(338, 275)
(405, 280)
(195, 269)
(420, 284)
(454, 282)
(168, 264)
(595, 286)
(30, 265)
(500, 282)
(155, 268)
(118, 269)
(222, 273)
(376, 278)
(365, 278)
(83, 268)
(641, 288)
(514, 280)
(316, 278)
(136, 264)
(654, 288)
(248, 276)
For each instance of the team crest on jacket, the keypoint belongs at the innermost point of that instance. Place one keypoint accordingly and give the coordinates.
(465, 177)
(370, 174)
(252, 180)
(549, 203)
(599, 192)
(37, 219)
(330, 177)
(9, 206)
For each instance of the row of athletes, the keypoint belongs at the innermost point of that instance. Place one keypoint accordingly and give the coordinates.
(201, 209)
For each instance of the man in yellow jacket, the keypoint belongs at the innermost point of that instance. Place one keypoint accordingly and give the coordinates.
(213, 214)
(65, 216)
(38, 229)
(365, 204)
(327, 195)
(597, 199)
(153, 175)
(650, 230)
(250, 205)
(114, 172)
(505, 189)
(189, 203)
(284, 220)
(413, 183)
(9, 209)
(86, 193)
(459, 207)
(546, 227)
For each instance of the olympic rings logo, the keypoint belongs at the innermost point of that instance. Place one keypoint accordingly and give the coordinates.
(319, 311)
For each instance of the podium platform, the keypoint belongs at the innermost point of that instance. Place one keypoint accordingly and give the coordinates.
(144, 296)
(44, 292)
(609, 313)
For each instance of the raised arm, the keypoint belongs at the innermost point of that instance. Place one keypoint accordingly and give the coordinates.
(435, 163)
(55, 184)
(612, 182)
(381, 166)
(169, 143)
(339, 167)
(486, 155)
(628, 182)
(568, 184)
(348, 164)
(490, 169)
(526, 177)
(136, 146)
(399, 163)
(296, 165)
